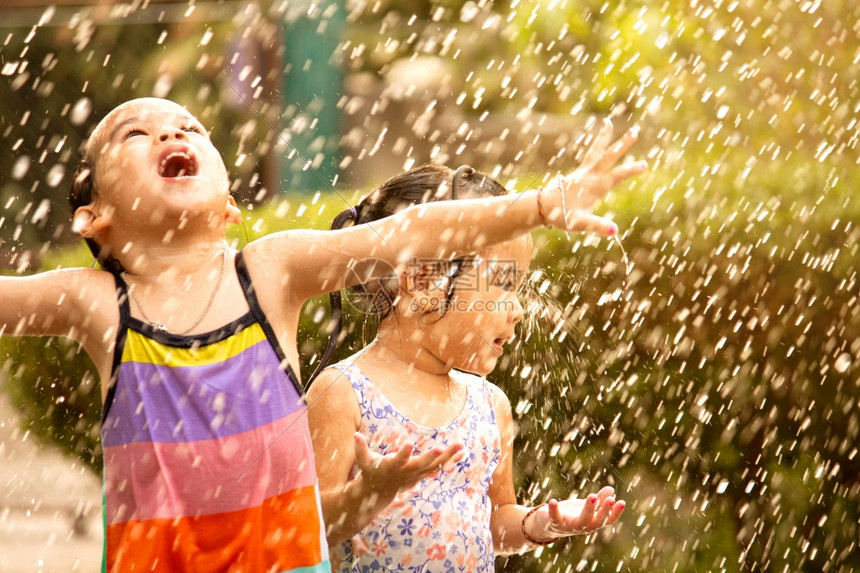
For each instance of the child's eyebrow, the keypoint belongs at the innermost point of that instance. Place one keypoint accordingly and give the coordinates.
(137, 118)
(121, 127)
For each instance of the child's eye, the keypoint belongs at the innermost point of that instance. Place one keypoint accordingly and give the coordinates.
(132, 132)
(193, 129)
(506, 282)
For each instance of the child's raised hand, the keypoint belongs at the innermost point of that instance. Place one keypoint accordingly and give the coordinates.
(400, 469)
(570, 198)
(576, 516)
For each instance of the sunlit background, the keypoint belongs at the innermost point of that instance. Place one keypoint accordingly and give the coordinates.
(707, 366)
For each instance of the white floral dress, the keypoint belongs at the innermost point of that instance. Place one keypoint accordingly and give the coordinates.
(443, 523)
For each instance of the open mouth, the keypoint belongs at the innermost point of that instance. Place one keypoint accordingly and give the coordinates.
(500, 342)
(177, 164)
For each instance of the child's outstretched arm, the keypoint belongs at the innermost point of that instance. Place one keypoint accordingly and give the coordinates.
(518, 528)
(315, 262)
(77, 303)
(350, 504)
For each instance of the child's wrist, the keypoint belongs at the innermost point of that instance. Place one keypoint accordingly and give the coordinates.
(541, 209)
(367, 488)
(527, 520)
(552, 209)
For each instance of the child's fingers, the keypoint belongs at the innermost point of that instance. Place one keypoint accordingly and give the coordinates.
(601, 142)
(451, 453)
(618, 149)
(458, 456)
(436, 459)
(587, 222)
(628, 170)
(427, 462)
(401, 457)
(556, 520)
(616, 512)
(586, 516)
(606, 491)
(363, 457)
(601, 516)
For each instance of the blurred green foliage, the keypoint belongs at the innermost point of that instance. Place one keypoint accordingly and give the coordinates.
(709, 374)
(708, 367)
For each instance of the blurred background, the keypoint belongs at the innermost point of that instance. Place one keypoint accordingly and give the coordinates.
(707, 365)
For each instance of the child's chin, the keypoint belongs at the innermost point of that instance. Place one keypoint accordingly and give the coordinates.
(481, 368)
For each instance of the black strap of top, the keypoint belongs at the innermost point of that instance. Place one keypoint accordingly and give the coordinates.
(259, 315)
(119, 341)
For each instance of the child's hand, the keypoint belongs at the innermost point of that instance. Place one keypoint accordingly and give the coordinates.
(577, 516)
(571, 198)
(400, 469)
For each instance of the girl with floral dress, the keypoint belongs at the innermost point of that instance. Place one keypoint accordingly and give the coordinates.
(413, 444)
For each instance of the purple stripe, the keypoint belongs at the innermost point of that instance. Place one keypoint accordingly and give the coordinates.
(218, 400)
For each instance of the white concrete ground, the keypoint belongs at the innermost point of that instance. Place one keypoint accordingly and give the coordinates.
(44, 497)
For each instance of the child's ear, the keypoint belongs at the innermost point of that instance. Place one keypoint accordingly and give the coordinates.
(87, 223)
(425, 287)
(233, 214)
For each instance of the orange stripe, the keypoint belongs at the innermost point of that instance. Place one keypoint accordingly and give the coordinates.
(282, 534)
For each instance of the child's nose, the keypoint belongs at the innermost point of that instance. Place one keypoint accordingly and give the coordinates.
(171, 133)
(516, 313)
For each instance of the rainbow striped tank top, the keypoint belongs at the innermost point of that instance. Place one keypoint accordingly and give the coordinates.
(208, 459)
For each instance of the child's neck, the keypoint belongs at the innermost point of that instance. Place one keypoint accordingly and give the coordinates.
(417, 384)
(163, 262)
(392, 348)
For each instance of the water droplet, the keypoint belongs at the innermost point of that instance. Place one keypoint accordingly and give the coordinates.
(81, 111)
(162, 86)
(842, 363)
(21, 166)
(55, 175)
(40, 215)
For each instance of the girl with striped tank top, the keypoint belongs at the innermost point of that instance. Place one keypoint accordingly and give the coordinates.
(416, 468)
(208, 459)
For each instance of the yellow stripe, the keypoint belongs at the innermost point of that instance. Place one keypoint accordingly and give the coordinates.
(139, 348)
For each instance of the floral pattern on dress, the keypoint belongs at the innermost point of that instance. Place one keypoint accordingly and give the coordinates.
(442, 524)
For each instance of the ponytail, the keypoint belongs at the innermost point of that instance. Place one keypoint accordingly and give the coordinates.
(342, 219)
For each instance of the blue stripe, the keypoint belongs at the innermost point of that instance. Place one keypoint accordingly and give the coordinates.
(156, 403)
(324, 567)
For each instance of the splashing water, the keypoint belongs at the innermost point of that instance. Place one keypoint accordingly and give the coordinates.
(717, 373)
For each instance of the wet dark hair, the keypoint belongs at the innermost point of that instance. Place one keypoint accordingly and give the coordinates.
(83, 193)
(425, 184)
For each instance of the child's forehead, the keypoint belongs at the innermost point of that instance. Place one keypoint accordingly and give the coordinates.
(141, 109)
(147, 106)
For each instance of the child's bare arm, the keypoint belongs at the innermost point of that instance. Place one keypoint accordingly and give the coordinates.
(40, 305)
(350, 504)
(506, 512)
(316, 262)
(548, 521)
(319, 261)
(76, 303)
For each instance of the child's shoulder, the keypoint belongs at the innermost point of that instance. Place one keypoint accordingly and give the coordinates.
(472, 379)
(480, 383)
(333, 378)
(83, 281)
